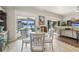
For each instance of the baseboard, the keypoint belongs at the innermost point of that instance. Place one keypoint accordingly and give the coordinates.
(68, 37)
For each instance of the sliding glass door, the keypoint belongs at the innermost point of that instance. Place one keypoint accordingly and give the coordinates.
(26, 23)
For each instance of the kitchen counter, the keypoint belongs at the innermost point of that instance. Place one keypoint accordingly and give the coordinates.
(69, 33)
(3, 39)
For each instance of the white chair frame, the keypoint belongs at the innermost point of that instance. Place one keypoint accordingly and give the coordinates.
(37, 40)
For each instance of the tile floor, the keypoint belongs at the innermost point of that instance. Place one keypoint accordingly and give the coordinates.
(58, 46)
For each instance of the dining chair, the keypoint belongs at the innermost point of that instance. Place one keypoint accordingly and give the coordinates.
(37, 42)
(25, 40)
(49, 38)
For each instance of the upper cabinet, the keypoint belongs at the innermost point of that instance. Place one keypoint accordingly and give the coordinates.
(3, 18)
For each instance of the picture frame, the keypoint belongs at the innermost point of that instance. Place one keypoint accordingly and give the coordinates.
(41, 20)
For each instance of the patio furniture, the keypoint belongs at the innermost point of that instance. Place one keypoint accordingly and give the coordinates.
(37, 42)
(24, 36)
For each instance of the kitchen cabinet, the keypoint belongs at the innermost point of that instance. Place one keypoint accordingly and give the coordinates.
(74, 34)
(3, 19)
(3, 39)
(69, 33)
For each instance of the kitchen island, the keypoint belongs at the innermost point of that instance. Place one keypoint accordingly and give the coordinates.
(68, 31)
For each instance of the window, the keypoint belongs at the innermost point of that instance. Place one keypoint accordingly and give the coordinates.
(26, 23)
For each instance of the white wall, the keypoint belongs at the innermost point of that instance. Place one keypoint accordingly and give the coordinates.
(11, 23)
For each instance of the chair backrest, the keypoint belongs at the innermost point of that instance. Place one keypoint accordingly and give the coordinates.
(37, 40)
(51, 33)
(24, 33)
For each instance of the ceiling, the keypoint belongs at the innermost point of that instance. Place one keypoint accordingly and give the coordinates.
(60, 10)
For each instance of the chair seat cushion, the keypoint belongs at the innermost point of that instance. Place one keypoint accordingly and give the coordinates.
(26, 41)
(37, 48)
(48, 40)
